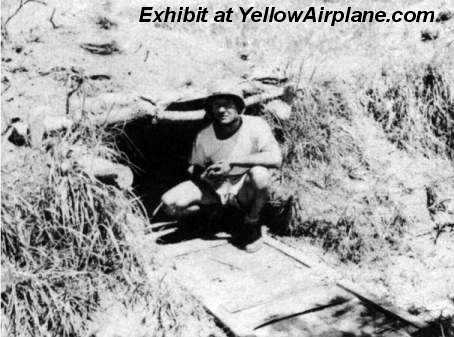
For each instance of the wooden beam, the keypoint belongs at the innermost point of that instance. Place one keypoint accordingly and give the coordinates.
(388, 309)
(105, 110)
(196, 115)
(365, 296)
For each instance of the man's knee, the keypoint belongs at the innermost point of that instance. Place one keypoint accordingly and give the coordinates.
(260, 177)
(172, 205)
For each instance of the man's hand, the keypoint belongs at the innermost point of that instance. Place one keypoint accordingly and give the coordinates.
(219, 169)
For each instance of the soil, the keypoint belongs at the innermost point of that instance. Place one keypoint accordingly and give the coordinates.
(104, 44)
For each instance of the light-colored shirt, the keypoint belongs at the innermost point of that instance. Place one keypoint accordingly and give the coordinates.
(253, 136)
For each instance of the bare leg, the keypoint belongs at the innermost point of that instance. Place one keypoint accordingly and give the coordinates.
(185, 198)
(255, 194)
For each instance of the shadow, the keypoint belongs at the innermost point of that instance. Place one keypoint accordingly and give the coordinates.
(277, 216)
(157, 154)
(441, 327)
(332, 303)
(189, 105)
(206, 225)
(342, 318)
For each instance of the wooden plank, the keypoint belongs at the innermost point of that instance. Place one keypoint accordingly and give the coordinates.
(277, 288)
(355, 319)
(388, 309)
(105, 109)
(307, 325)
(362, 294)
(245, 280)
(215, 309)
(301, 302)
(310, 261)
(229, 282)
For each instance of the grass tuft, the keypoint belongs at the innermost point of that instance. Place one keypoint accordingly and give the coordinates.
(64, 237)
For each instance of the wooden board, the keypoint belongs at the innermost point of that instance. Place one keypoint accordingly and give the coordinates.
(273, 292)
(242, 280)
(350, 319)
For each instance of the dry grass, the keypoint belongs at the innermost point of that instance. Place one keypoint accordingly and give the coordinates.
(75, 259)
(63, 239)
(415, 107)
(325, 157)
(66, 237)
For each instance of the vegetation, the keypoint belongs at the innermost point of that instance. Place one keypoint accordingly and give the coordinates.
(61, 231)
(69, 243)
(372, 126)
(412, 107)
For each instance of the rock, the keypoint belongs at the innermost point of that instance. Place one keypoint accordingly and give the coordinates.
(278, 109)
(106, 171)
(429, 35)
(44, 123)
(444, 16)
(18, 133)
(105, 23)
(56, 123)
(101, 49)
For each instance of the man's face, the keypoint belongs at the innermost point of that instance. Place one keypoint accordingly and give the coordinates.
(224, 110)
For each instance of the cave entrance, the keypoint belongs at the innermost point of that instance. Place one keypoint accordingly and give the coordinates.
(158, 154)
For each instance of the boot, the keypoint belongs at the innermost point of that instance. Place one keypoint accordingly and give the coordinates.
(253, 239)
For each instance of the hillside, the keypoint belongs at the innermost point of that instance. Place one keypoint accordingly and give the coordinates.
(368, 175)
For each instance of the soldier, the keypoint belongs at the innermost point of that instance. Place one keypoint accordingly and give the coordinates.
(229, 165)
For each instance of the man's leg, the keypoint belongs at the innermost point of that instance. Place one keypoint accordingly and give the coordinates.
(255, 191)
(254, 195)
(186, 198)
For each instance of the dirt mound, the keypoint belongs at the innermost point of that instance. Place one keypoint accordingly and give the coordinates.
(367, 143)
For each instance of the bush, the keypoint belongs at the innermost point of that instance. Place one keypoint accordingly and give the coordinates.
(64, 240)
(309, 136)
(415, 109)
(316, 195)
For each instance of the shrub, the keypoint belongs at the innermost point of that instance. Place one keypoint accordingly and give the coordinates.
(321, 154)
(415, 109)
(64, 239)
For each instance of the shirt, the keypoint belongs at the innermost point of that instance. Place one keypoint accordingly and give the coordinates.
(253, 136)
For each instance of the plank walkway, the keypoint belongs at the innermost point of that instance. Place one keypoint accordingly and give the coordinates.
(276, 292)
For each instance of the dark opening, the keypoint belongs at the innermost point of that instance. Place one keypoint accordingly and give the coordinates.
(157, 154)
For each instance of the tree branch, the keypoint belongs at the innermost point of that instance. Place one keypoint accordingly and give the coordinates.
(51, 20)
(22, 3)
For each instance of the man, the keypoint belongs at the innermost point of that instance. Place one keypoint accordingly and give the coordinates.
(229, 165)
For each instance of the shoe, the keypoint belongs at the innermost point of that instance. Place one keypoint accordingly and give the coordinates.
(253, 240)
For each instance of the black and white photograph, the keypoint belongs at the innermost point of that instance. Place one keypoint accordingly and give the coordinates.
(227, 168)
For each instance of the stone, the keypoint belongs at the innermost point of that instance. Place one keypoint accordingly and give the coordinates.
(106, 170)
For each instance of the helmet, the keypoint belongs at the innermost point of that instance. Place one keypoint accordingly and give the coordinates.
(226, 90)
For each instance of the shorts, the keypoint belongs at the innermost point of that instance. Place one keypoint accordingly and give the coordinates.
(226, 192)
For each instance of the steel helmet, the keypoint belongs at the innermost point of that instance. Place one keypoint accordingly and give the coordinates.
(226, 90)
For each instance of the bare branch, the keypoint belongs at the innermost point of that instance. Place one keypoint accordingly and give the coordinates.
(51, 20)
(22, 3)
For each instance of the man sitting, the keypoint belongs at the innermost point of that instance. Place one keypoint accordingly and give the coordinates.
(229, 165)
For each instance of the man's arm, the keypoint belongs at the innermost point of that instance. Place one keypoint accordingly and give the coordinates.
(268, 154)
(271, 158)
(197, 160)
